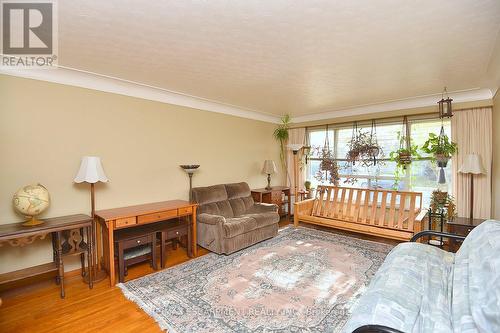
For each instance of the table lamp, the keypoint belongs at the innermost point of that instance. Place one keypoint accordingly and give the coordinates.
(269, 168)
(472, 165)
(91, 172)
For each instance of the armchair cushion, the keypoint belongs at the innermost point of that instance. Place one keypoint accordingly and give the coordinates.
(410, 292)
(241, 205)
(420, 288)
(239, 225)
(262, 208)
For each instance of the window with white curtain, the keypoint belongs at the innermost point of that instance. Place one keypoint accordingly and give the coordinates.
(421, 175)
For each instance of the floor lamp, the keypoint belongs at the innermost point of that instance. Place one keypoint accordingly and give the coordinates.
(472, 165)
(295, 149)
(91, 172)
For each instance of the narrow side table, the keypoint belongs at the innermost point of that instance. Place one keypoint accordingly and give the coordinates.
(67, 239)
(278, 195)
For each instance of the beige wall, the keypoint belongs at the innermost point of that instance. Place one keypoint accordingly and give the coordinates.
(46, 128)
(495, 180)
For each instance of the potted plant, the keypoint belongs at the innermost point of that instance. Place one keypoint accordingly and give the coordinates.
(281, 135)
(363, 147)
(442, 201)
(441, 148)
(309, 189)
(406, 152)
(307, 185)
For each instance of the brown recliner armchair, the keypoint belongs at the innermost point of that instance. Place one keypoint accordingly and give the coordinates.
(229, 220)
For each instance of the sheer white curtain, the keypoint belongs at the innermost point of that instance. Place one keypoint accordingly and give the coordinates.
(295, 136)
(472, 131)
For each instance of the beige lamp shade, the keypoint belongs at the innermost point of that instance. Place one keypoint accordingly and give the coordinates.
(472, 164)
(269, 167)
(91, 171)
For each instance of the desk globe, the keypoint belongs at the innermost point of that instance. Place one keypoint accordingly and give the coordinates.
(30, 201)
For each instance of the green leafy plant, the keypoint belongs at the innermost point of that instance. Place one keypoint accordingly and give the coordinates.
(405, 154)
(441, 148)
(442, 201)
(403, 157)
(281, 135)
(307, 185)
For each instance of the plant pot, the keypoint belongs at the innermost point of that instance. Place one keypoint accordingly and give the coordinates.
(442, 160)
(440, 197)
(404, 158)
(353, 155)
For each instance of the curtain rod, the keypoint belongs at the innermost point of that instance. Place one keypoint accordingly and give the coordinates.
(427, 115)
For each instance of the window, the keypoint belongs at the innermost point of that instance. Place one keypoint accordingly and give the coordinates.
(421, 175)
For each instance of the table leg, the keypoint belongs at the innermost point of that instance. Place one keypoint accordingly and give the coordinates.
(289, 206)
(54, 254)
(90, 256)
(189, 242)
(98, 245)
(193, 227)
(111, 253)
(59, 262)
(163, 248)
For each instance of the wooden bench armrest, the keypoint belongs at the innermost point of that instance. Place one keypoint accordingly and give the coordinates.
(302, 208)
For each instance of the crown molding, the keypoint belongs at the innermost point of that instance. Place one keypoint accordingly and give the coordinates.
(89, 80)
(470, 95)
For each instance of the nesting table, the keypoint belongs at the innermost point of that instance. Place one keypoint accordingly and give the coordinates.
(110, 220)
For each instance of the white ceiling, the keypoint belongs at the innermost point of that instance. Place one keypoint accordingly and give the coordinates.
(277, 56)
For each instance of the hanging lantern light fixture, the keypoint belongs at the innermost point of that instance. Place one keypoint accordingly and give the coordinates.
(445, 109)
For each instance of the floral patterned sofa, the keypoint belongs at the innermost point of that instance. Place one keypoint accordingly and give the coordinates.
(420, 288)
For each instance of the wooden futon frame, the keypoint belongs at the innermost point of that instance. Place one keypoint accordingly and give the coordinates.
(383, 213)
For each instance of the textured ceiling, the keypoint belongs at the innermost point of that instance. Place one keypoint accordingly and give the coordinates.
(297, 57)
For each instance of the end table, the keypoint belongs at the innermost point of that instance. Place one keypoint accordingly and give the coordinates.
(461, 226)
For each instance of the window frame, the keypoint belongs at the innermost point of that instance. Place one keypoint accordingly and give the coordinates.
(405, 178)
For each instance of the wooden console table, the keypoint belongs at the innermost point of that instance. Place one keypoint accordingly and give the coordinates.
(67, 239)
(275, 196)
(127, 217)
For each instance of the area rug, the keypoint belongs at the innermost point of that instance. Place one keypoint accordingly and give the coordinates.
(303, 280)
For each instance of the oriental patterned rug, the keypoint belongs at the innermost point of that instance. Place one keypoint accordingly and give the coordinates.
(303, 280)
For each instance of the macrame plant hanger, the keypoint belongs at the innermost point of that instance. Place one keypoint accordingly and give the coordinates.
(442, 177)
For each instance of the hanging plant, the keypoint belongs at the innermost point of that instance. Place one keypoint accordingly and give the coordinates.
(406, 152)
(328, 167)
(281, 135)
(364, 147)
(441, 148)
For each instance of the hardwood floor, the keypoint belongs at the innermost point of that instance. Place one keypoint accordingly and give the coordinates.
(38, 308)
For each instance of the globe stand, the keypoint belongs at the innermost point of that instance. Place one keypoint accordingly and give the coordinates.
(32, 222)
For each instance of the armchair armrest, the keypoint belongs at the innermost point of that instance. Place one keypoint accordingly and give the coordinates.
(435, 233)
(210, 219)
(262, 208)
(375, 329)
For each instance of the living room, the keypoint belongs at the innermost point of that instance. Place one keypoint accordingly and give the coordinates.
(250, 166)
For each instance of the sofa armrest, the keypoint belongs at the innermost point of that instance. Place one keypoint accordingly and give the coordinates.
(210, 219)
(304, 207)
(262, 208)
